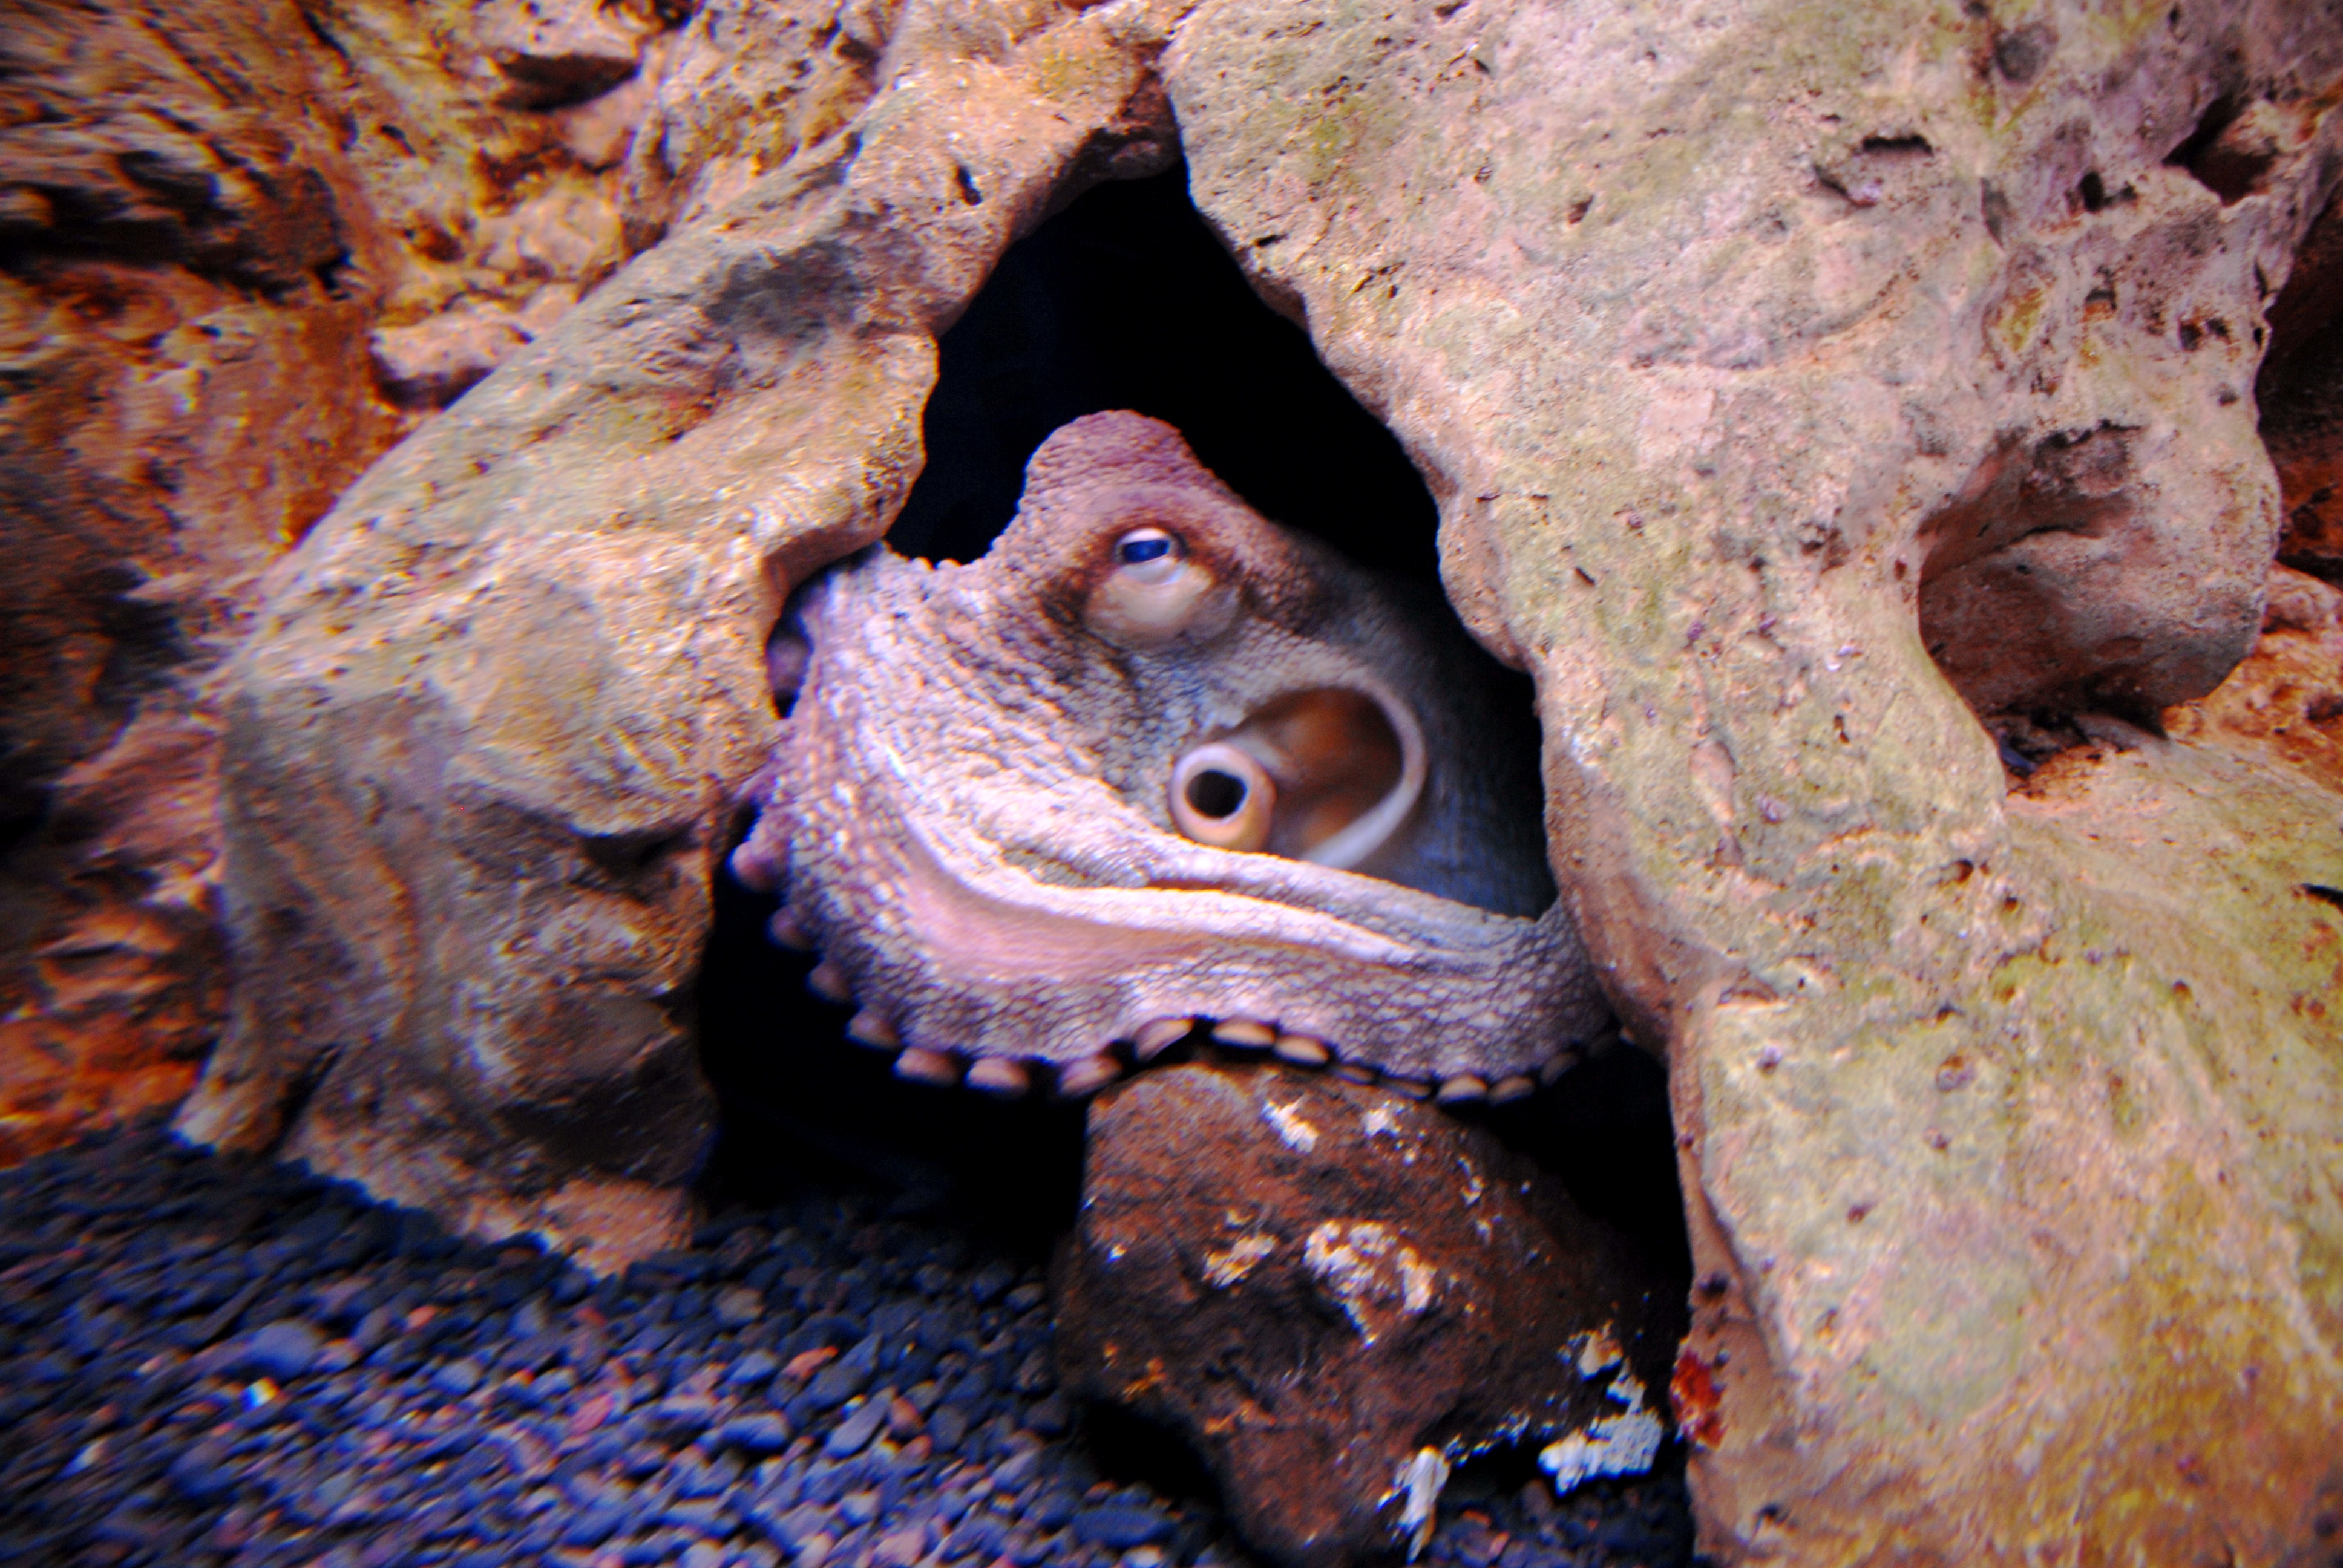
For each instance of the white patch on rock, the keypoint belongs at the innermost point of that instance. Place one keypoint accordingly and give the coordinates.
(1378, 1119)
(1624, 1442)
(1299, 1135)
(1417, 1279)
(1419, 1481)
(1376, 1277)
(1226, 1266)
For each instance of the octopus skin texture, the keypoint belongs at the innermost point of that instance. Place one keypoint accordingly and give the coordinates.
(1156, 764)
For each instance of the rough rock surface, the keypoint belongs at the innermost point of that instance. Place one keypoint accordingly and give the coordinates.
(1758, 350)
(486, 739)
(2286, 697)
(243, 245)
(185, 262)
(1315, 1282)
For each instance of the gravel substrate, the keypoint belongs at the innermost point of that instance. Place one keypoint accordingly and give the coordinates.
(208, 1361)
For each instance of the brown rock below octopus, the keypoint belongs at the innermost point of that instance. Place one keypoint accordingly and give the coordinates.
(1154, 761)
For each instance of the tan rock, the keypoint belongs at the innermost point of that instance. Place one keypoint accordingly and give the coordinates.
(2286, 698)
(2006, 1120)
(559, 52)
(182, 247)
(432, 362)
(485, 744)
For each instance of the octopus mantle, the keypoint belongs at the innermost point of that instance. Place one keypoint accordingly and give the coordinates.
(1056, 806)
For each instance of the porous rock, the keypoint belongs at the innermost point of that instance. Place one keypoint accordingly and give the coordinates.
(556, 54)
(485, 742)
(182, 242)
(240, 255)
(2286, 700)
(1758, 354)
(1315, 1280)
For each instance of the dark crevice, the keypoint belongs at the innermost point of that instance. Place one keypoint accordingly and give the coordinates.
(2300, 393)
(803, 1107)
(2225, 159)
(2217, 118)
(1124, 300)
(2020, 53)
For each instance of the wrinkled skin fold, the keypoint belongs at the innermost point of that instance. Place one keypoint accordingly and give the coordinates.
(1054, 802)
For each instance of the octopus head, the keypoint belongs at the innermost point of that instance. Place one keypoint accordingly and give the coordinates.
(1155, 763)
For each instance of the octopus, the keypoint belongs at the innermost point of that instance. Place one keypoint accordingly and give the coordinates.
(1156, 767)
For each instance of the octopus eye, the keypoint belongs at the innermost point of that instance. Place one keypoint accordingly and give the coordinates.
(1149, 556)
(1157, 592)
(1223, 797)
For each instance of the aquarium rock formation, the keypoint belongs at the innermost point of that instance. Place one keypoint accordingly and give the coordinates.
(1846, 415)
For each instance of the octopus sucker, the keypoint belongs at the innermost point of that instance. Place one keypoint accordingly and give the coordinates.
(920, 1065)
(1155, 766)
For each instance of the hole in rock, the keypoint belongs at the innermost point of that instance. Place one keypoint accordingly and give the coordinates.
(801, 1106)
(2001, 556)
(2225, 151)
(1505, 1488)
(1125, 1448)
(1124, 300)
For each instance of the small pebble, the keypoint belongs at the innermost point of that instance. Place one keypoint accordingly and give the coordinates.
(284, 1350)
(900, 1549)
(758, 1434)
(702, 1516)
(592, 1524)
(681, 1415)
(1120, 1527)
(201, 1474)
(852, 1435)
(458, 1377)
(844, 1378)
(946, 1427)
